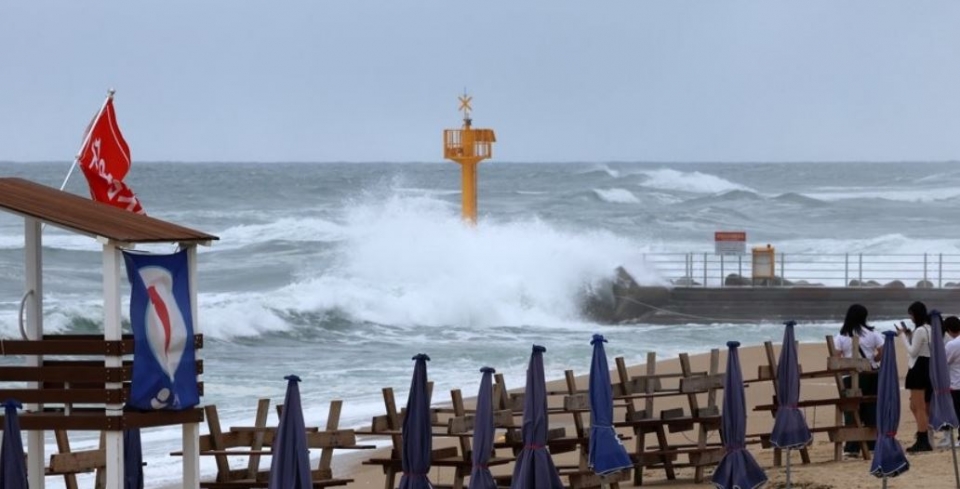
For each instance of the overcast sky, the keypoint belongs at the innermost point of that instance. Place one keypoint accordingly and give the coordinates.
(559, 80)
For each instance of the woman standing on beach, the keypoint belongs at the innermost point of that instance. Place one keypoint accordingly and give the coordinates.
(918, 376)
(871, 342)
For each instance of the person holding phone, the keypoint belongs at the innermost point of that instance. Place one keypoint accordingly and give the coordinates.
(918, 375)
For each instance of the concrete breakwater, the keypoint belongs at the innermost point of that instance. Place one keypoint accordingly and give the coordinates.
(627, 301)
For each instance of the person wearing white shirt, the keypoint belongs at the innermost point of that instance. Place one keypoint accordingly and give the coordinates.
(918, 376)
(871, 342)
(952, 327)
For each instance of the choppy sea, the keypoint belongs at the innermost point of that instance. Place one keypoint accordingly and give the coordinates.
(340, 273)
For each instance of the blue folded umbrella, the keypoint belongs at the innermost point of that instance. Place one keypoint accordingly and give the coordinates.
(790, 428)
(417, 433)
(534, 468)
(737, 468)
(480, 476)
(290, 467)
(132, 459)
(13, 465)
(942, 415)
(607, 455)
(888, 457)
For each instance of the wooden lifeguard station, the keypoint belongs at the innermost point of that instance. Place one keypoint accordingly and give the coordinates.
(468, 147)
(99, 385)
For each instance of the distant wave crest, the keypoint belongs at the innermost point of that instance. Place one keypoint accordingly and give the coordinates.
(616, 196)
(695, 182)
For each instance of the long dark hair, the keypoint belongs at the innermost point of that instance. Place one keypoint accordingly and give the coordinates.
(918, 311)
(855, 322)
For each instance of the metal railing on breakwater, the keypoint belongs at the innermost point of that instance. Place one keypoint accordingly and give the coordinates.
(934, 270)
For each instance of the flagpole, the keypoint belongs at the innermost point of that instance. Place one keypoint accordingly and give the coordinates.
(86, 137)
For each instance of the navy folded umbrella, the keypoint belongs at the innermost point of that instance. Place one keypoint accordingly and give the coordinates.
(290, 467)
(13, 465)
(790, 428)
(132, 459)
(480, 476)
(942, 415)
(534, 468)
(888, 457)
(737, 468)
(607, 455)
(417, 433)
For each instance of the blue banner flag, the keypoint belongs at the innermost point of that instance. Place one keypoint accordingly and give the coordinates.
(164, 366)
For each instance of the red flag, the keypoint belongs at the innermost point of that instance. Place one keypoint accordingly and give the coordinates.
(105, 160)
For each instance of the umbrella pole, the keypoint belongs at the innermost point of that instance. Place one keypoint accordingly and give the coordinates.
(953, 448)
(788, 468)
(884, 483)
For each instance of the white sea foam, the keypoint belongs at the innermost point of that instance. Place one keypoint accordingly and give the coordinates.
(602, 168)
(616, 196)
(300, 229)
(411, 261)
(896, 194)
(52, 239)
(695, 182)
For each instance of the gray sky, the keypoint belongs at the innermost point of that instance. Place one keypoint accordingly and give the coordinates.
(559, 80)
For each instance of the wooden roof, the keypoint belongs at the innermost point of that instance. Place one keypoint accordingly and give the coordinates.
(89, 217)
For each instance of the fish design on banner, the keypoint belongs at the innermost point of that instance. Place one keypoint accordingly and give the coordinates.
(164, 370)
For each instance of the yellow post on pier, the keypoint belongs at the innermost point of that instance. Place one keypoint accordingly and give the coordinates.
(468, 146)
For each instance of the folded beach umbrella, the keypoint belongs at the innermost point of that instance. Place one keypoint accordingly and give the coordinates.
(417, 433)
(888, 458)
(790, 428)
(13, 465)
(290, 464)
(480, 476)
(132, 459)
(534, 468)
(737, 468)
(607, 455)
(942, 415)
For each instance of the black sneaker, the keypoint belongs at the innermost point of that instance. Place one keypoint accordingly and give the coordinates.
(922, 444)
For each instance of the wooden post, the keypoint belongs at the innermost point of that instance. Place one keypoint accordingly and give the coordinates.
(112, 332)
(191, 431)
(33, 257)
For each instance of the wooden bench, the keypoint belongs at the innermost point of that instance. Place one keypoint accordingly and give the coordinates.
(703, 420)
(255, 441)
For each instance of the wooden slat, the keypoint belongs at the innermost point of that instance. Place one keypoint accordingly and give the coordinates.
(80, 396)
(76, 345)
(708, 457)
(257, 443)
(85, 461)
(66, 347)
(324, 470)
(152, 419)
(644, 384)
(332, 439)
(848, 364)
(701, 384)
(99, 374)
(217, 442)
(852, 434)
(576, 402)
(63, 446)
(127, 364)
(81, 386)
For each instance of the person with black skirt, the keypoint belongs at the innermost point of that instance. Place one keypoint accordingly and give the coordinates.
(918, 376)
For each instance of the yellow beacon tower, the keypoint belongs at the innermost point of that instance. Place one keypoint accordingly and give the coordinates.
(468, 146)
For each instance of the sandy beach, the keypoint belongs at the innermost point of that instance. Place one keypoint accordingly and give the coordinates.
(929, 470)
